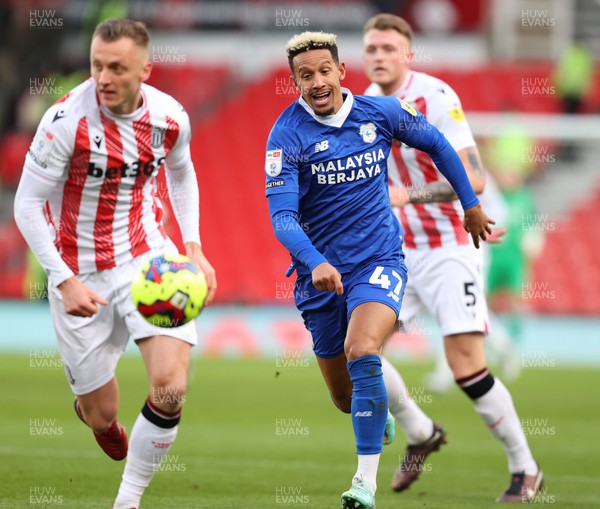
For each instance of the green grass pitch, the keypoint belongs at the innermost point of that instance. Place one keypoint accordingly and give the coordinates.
(257, 435)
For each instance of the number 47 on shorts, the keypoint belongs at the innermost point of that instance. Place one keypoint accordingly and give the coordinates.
(380, 278)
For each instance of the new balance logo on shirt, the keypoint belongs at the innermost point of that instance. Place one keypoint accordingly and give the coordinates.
(321, 146)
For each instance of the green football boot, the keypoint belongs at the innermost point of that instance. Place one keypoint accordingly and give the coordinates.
(390, 429)
(359, 496)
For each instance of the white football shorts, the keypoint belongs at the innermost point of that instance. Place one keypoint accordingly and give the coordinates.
(449, 283)
(91, 347)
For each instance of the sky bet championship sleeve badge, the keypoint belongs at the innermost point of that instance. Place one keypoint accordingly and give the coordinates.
(41, 147)
(408, 107)
(273, 162)
(457, 114)
(368, 132)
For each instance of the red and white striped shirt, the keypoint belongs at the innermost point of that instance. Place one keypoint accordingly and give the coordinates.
(103, 209)
(429, 225)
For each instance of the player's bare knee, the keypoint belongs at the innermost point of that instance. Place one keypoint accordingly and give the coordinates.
(465, 365)
(168, 393)
(459, 362)
(465, 354)
(355, 349)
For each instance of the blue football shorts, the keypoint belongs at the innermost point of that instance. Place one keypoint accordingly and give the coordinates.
(326, 314)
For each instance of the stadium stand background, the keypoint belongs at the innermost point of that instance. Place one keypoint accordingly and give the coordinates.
(224, 61)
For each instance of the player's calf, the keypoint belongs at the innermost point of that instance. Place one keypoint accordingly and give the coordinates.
(342, 402)
(99, 418)
(112, 439)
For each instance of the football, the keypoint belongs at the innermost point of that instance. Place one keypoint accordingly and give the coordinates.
(169, 290)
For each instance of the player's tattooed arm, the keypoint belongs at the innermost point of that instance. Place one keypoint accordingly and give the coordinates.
(474, 168)
(433, 192)
(428, 193)
(442, 191)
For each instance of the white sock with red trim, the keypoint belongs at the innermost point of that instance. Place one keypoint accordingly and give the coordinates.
(495, 406)
(151, 438)
(415, 423)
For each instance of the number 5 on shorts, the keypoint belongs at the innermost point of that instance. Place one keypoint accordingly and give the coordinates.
(379, 278)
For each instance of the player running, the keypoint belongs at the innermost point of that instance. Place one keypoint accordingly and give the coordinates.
(446, 273)
(87, 206)
(326, 166)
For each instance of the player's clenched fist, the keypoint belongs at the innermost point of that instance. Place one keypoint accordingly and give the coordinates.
(326, 278)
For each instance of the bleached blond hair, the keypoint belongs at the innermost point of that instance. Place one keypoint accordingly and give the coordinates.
(307, 41)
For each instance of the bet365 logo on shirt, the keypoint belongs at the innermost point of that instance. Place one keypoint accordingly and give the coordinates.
(133, 169)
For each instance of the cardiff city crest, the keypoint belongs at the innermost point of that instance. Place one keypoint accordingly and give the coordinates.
(368, 132)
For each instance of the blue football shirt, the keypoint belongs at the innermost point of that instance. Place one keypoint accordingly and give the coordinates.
(337, 168)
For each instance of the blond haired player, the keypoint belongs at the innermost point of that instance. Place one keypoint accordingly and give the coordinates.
(326, 162)
(87, 206)
(445, 270)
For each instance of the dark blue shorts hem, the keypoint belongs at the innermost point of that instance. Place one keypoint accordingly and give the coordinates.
(329, 356)
(397, 311)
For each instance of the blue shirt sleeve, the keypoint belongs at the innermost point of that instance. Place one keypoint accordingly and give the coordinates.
(283, 208)
(412, 128)
(282, 166)
(282, 161)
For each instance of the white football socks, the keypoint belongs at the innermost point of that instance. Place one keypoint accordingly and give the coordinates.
(415, 423)
(497, 410)
(148, 445)
(367, 469)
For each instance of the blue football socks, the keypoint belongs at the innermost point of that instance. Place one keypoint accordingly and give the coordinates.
(369, 403)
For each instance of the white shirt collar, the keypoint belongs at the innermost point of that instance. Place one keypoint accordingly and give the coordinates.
(339, 118)
(402, 89)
